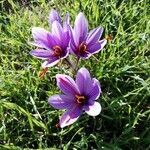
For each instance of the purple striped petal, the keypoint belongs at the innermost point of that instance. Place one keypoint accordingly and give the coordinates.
(74, 40)
(54, 16)
(81, 27)
(53, 40)
(72, 48)
(103, 43)
(93, 110)
(57, 30)
(94, 91)
(95, 48)
(66, 84)
(66, 22)
(61, 101)
(94, 36)
(51, 62)
(42, 54)
(70, 116)
(40, 37)
(83, 80)
(65, 40)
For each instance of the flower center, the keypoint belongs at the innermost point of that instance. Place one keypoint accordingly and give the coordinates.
(80, 99)
(57, 51)
(82, 49)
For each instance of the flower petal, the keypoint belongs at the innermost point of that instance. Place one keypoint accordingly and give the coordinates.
(95, 48)
(61, 101)
(72, 48)
(40, 37)
(95, 90)
(65, 40)
(41, 53)
(66, 84)
(93, 110)
(61, 37)
(54, 16)
(53, 40)
(103, 43)
(51, 62)
(66, 22)
(83, 80)
(81, 27)
(94, 36)
(57, 30)
(74, 40)
(70, 116)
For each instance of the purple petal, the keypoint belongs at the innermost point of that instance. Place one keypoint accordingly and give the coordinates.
(72, 49)
(94, 91)
(103, 43)
(61, 101)
(65, 54)
(95, 48)
(42, 54)
(70, 116)
(53, 40)
(81, 27)
(66, 84)
(74, 40)
(65, 40)
(93, 110)
(54, 16)
(61, 37)
(94, 36)
(51, 62)
(40, 37)
(57, 30)
(66, 22)
(83, 80)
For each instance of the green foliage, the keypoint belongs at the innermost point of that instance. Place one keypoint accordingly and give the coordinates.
(27, 120)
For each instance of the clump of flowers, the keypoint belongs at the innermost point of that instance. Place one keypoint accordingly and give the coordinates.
(77, 95)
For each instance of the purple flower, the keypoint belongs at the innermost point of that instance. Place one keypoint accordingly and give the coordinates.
(52, 47)
(78, 96)
(84, 44)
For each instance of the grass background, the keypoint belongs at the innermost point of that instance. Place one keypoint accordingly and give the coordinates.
(123, 69)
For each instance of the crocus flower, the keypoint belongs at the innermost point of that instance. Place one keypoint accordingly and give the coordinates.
(84, 44)
(77, 96)
(52, 47)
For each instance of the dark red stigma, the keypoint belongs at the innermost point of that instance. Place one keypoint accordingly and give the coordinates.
(57, 51)
(82, 49)
(80, 99)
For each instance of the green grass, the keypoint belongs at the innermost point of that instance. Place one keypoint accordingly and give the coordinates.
(123, 69)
